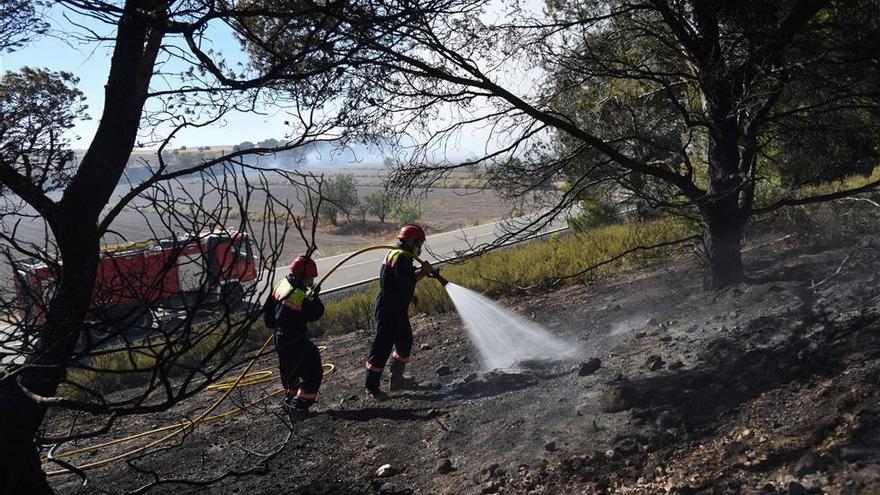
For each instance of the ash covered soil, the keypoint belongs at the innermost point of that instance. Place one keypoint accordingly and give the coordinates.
(771, 386)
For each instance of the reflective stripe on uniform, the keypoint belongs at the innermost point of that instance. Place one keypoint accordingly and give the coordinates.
(292, 305)
(288, 296)
(374, 368)
(397, 357)
(391, 257)
(282, 289)
(302, 394)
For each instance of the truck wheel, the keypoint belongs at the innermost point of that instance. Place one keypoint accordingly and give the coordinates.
(231, 296)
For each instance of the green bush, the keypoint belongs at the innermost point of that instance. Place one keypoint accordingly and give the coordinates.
(508, 271)
(406, 213)
(349, 313)
(594, 214)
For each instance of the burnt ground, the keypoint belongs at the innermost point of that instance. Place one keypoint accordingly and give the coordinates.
(772, 386)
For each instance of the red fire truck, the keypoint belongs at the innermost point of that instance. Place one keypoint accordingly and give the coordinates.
(208, 270)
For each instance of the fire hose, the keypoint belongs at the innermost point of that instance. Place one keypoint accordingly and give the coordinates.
(245, 378)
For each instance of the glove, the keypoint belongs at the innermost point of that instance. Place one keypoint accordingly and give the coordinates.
(316, 290)
(427, 269)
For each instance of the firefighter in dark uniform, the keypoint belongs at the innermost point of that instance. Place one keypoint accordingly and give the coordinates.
(397, 283)
(286, 311)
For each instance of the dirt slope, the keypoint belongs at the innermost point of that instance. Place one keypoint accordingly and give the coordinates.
(768, 387)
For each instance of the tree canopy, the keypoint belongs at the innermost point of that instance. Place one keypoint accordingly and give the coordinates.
(693, 105)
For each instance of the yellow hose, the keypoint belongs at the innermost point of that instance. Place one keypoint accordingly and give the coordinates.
(357, 253)
(243, 379)
(180, 427)
(251, 378)
(329, 369)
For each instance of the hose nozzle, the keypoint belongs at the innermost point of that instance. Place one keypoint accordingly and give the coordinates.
(435, 273)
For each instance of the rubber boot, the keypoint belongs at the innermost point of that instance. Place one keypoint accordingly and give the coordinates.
(298, 409)
(288, 400)
(297, 414)
(397, 380)
(371, 383)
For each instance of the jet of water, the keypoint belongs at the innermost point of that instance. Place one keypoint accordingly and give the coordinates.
(502, 337)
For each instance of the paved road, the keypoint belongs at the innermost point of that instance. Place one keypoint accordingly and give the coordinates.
(438, 248)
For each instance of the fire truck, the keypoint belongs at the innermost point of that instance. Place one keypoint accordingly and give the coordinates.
(136, 282)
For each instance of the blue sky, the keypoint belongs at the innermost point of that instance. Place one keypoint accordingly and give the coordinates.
(62, 50)
(90, 62)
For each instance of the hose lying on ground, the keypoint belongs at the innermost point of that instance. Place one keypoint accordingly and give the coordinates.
(245, 378)
(329, 369)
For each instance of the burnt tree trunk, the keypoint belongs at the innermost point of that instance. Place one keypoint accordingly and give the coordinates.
(722, 240)
(73, 220)
(723, 218)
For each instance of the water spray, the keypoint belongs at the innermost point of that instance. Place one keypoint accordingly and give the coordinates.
(502, 338)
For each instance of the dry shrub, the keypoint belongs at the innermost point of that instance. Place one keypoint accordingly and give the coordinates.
(507, 271)
(349, 313)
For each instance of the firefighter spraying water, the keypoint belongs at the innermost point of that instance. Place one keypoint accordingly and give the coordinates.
(503, 339)
(397, 284)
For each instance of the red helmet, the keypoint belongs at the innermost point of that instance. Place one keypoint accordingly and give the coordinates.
(303, 267)
(411, 232)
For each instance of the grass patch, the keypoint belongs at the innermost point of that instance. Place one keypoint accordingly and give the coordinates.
(198, 348)
(831, 223)
(506, 271)
(771, 190)
(349, 313)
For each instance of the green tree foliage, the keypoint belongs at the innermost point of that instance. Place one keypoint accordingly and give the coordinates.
(594, 214)
(814, 128)
(832, 146)
(405, 212)
(19, 23)
(340, 197)
(379, 203)
(37, 108)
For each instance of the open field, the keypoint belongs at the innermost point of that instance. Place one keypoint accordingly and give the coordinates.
(443, 209)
